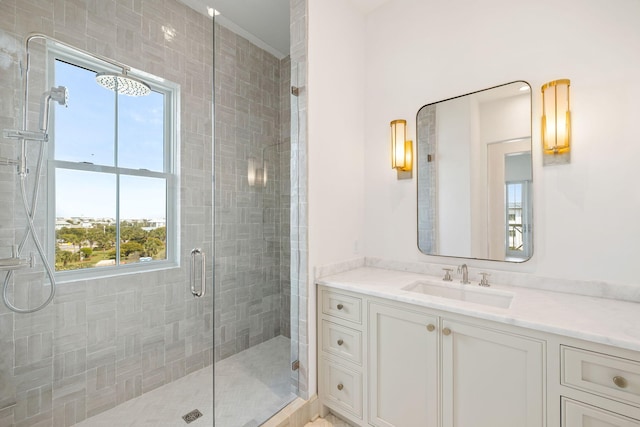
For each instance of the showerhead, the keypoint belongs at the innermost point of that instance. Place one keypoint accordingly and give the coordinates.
(58, 94)
(123, 84)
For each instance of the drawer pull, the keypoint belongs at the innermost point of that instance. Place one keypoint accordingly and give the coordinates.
(340, 306)
(340, 342)
(620, 381)
(431, 328)
(446, 331)
(340, 386)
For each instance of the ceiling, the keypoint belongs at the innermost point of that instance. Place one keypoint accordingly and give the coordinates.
(263, 22)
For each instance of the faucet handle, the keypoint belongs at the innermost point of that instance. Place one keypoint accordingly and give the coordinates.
(484, 281)
(447, 274)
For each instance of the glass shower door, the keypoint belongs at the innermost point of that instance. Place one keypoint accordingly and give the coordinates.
(256, 309)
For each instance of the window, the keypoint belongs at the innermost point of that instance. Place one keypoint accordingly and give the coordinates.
(517, 213)
(112, 162)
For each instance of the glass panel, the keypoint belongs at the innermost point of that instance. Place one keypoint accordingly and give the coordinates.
(85, 130)
(120, 316)
(256, 298)
(85, 219)
(141, 131)
(143, 213)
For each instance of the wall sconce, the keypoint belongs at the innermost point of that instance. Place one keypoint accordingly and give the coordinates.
(256, 173)
(556, 123)
(401, 150)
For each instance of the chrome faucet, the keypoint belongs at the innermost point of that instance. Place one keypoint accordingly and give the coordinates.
(465, 274)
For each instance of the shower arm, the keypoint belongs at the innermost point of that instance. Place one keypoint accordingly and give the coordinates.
(34, 36)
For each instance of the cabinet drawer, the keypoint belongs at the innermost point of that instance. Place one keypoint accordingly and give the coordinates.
(578, 414)
(342, 387)
(342, 306)
(604, 375)
(342, 341)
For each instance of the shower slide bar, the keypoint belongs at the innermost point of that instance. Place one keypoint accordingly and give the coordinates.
(203, 276)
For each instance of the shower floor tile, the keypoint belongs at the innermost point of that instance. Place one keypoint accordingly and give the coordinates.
(253, 385)
(164, 406)
(250, 387)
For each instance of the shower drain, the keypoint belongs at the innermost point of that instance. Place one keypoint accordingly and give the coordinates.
(192, 416)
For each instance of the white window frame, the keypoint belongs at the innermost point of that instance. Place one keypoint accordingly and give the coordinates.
(171, 162)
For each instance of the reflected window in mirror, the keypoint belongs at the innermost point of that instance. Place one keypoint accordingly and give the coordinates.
(474, 175)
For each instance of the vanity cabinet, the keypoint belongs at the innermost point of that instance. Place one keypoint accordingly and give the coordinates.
(403, 370)
(427, 368)
(341, 355)
(610, 382)
(388, 358)
(491, 377)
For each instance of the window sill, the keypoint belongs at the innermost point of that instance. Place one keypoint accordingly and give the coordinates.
(110, 272)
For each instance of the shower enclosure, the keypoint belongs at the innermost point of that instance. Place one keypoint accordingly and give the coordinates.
(163, 214)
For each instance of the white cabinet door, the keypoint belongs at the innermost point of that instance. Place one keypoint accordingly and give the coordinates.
(403, 370)
(490, 378)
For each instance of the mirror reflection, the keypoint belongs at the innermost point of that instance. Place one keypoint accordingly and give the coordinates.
(475, 175)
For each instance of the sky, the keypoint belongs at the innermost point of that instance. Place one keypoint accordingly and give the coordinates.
(85, 131)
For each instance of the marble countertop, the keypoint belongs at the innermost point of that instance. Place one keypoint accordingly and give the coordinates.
(600, 320)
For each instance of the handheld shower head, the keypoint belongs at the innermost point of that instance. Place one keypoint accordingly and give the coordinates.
(58, 94)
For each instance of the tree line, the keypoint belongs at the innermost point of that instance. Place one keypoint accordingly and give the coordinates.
(99, 242)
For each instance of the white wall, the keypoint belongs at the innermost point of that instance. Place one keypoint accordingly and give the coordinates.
(586, 213)
(504, 118)
(336, 140)
(365, 72)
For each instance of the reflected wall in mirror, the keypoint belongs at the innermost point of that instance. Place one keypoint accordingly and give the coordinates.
(475, 175)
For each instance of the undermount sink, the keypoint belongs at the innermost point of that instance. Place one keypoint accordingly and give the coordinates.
(468, 293)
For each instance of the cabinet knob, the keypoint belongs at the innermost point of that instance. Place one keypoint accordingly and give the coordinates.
(446, 331)
(340, 306)
(431, 328)
(340, 386)
(620, 381)
(340, 342)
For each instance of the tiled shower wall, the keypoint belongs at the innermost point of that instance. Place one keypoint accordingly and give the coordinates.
(284, 208)
(427, 178)
(252, 221)
(105, 341)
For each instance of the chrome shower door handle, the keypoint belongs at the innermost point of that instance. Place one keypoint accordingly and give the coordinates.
(203, 277)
